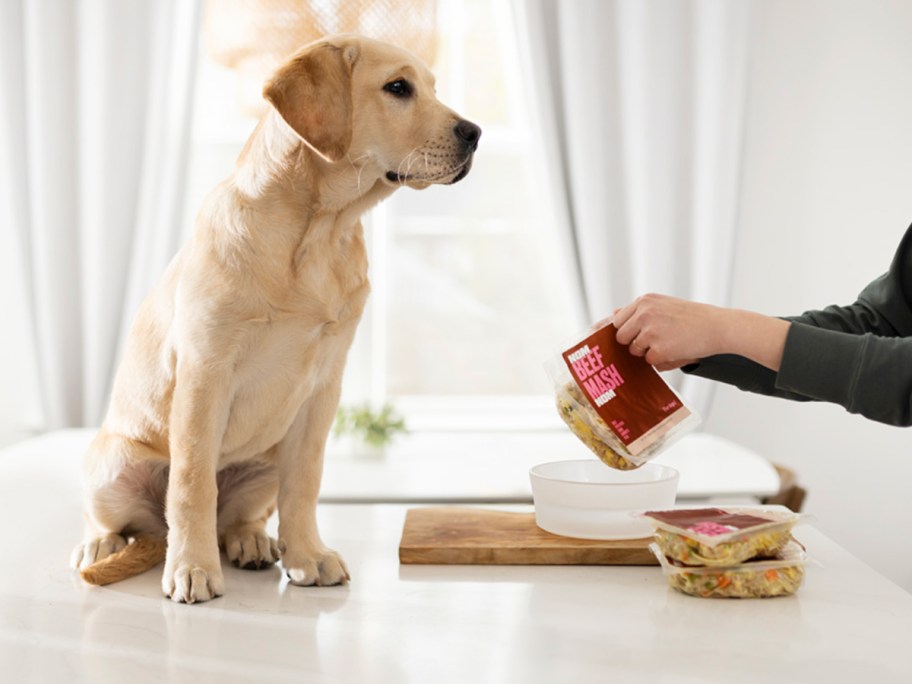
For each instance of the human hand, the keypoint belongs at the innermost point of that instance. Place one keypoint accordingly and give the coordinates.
(670, 332)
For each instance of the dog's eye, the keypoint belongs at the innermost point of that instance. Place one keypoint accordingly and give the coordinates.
(399, 88)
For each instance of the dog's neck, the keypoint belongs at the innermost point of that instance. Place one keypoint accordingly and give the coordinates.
(303, 203)
(277, 163)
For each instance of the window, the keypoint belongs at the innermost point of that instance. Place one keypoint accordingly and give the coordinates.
(467, 300)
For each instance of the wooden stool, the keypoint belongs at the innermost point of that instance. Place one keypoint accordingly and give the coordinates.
(790, 494)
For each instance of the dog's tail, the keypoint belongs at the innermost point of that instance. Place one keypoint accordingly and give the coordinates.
(144, 553)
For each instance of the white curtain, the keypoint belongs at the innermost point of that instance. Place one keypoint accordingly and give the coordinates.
(94, 117)
(640, 107)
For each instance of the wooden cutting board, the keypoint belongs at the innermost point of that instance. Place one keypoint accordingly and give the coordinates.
(473, 536)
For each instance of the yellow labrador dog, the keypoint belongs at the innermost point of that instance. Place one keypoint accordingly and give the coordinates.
(231, 376)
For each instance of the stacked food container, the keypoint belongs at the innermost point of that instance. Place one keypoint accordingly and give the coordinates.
(737, 552)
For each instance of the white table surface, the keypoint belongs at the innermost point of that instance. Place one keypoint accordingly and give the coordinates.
(483, 467)
(419, 624)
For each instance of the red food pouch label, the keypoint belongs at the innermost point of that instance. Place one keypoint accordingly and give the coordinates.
(626, 392)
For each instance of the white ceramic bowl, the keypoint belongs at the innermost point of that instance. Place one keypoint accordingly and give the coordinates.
(589, 500)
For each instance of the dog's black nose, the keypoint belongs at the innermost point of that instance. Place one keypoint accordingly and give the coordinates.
(468, 133)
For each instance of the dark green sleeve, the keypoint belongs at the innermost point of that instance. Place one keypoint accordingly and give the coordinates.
(866, 374)
(743, 374)
(858, 356)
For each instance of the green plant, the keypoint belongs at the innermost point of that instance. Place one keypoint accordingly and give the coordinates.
(376, 428)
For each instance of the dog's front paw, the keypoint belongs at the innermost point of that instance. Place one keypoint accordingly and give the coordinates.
(186, 581)
(322, 568)
(250, 548)
(93, 550)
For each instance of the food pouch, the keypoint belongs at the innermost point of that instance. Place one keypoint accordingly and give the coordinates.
(779, 576)
(722, 536)
(615, 402)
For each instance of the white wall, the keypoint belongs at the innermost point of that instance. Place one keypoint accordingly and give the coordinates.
(827, 193)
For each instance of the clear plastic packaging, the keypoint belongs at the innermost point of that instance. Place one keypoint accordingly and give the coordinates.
(616, 403)
(720, 537)
(779, 576)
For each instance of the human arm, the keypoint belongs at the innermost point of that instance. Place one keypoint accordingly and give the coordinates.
(858, 356)
(671, 332)
(829, 355)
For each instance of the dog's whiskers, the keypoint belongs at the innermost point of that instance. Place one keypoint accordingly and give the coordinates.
(360, 169)
(399, 175)
(408, 160)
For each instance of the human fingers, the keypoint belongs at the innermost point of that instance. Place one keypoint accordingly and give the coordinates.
(623, 314)
(631, 320)
(629, 328)
(638, 347)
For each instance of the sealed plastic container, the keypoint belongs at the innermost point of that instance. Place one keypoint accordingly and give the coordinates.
(722, 536)
(615, 402)
(584, 499)
(779, 576)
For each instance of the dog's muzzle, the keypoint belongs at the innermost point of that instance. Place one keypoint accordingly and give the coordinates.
(468, 134)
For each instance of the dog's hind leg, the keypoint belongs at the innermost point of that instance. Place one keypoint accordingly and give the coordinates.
(125, 483)
(94, 547)
(246, 499)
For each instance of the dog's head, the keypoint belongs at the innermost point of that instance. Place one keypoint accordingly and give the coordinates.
(368, 103)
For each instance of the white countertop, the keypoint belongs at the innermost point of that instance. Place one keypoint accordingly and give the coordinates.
(460, 624)
(419, 624)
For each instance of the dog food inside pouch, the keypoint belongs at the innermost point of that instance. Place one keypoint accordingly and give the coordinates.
(615, 402)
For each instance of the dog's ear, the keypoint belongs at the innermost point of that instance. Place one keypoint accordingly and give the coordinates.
(313, 94)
